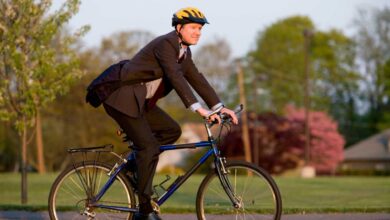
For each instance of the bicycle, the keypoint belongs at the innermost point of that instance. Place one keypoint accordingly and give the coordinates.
(91, 189)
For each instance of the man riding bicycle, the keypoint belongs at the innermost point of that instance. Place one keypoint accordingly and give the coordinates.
(158, 68)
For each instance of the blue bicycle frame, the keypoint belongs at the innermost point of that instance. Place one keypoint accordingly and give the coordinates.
(173, 187)
(218, 161)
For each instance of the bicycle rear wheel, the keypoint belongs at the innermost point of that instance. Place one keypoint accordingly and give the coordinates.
(75, 187)
(256, 190)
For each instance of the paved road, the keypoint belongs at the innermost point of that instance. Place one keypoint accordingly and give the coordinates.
(22, 215)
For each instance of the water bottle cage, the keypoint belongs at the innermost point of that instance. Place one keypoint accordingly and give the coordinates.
(161, 185)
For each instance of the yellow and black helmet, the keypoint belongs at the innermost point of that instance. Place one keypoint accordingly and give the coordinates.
(189, 15)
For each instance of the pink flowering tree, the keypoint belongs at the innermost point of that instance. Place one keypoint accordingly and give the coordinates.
(280, 141)
(326, 143)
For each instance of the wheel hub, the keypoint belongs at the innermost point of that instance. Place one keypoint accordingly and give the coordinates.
(89, 213)
(239, 205)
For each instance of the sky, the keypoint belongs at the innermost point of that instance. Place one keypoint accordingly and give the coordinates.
(237, 21)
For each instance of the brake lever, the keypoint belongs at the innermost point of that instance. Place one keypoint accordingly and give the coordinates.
(239, 109)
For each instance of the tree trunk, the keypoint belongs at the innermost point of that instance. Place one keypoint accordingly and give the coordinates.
(39, 142)
(24, 164)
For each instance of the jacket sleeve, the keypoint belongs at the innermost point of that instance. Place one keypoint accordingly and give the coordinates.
(200, 83)
(166, 56)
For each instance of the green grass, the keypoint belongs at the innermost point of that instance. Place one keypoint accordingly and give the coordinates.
(335, 194)
(321, 195)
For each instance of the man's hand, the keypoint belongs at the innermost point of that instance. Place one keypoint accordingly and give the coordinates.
(231, 114)
(204, 113)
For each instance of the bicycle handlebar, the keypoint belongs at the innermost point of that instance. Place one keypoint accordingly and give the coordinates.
(224, 117)
(216, 111)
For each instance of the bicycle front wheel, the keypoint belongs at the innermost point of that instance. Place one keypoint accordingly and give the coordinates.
(73, 191)
(256, 191)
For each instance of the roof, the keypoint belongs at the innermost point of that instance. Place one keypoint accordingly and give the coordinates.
(376, 147)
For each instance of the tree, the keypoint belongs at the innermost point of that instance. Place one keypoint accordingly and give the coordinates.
(336, 78)
(373, 49)
(384, 122)
(277, 66)
(281, 141)
(278, 60)
(87, 126)
(277, 63)
(326, 143)
(32, 70)
(215, 62)
(122, 45)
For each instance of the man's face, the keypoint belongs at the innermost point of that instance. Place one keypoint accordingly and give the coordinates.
(191, 32)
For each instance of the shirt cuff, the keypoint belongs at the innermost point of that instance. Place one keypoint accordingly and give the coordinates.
(215, 107)
(195, 106)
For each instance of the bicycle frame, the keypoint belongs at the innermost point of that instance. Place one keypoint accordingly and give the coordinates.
(218, 161)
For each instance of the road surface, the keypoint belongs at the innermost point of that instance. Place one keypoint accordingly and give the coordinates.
(23, 215)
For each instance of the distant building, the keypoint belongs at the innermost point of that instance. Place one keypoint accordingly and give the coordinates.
(371, 154)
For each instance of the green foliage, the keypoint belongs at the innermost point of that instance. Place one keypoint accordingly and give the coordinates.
(37, 59)
(373, 46)
(333, 64)
(336, 80)
(278, 65)
(384, 122)
(278, 61)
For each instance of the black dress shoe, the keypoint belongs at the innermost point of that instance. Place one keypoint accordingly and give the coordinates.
(150, 216)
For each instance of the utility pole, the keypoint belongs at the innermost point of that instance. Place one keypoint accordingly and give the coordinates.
(244, 116)
(307, 171)
(255, 124)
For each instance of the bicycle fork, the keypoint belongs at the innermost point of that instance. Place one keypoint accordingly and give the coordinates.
(223, 177)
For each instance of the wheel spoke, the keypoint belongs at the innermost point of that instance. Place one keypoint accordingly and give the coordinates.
(72, 189)
(253, 188)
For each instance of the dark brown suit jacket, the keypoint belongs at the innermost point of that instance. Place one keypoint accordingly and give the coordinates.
(159, 59)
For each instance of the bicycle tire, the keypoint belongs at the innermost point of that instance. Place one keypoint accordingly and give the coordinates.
(259, 195)
(68, 198)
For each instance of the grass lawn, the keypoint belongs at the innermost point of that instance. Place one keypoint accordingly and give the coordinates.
(322, 194)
